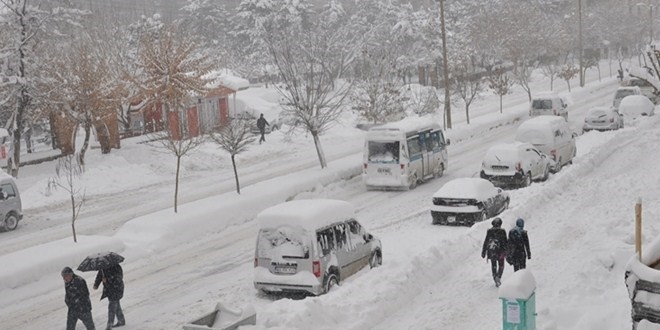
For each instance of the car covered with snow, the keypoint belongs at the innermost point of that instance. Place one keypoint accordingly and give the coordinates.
(636, 106)
(11, 207)
(602, 119)
(515, 164)
(308, 246)
(552, 136)
(622, 92)
(466, 201)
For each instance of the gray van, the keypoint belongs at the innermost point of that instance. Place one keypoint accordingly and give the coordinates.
(11, 208)
(308, 246)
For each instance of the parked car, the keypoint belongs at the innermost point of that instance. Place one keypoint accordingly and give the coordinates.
(515, 164)
(602, 119)
(11, 208)
(466, 201)
(636, 106)
(549, 104)
(308, 246)
(550, 135)
(647, 89)
(622, 92)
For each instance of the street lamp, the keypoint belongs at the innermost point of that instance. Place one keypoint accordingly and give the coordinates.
(651, 7)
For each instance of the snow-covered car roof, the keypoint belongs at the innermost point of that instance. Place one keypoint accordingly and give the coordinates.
(467, 188)
(635, 105)
(310, 214)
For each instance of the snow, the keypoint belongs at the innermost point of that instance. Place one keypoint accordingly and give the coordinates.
(520, 285)
(307, 214)
(410, 124)
(467, 188)
(633, 106)
(539, 130)
(179, 265)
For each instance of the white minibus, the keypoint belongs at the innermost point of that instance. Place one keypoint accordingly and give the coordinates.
(402, 154)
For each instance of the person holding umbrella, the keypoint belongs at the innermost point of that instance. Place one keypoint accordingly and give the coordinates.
(111, 275)
(77, 300)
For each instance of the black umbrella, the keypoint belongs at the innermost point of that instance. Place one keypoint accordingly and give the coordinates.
(100, 261)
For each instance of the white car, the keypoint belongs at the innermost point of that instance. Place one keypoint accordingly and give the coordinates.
(466, 201)
(635, 106)
(622, 92)
(602, 119)
(515, 164)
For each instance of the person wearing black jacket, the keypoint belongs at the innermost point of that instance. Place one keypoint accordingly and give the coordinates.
(113, 288)
(261, 125)
(519, 251)
(495, 249)
(77, 300)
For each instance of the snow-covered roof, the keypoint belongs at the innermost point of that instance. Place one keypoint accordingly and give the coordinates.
(467, 188)
(222, 78)
(520, 285)
(310, 214)
(401, 127)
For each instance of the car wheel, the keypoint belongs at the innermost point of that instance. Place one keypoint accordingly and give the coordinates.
(546, 173)
(528, 180)
(375, 260)
(413, 182)
(559, 165)
(440, 171)
(484, 216)
(11, 222)
(330, 282)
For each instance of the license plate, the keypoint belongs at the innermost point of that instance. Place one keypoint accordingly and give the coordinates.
(285, 270)
(451, 219)
(384, 170)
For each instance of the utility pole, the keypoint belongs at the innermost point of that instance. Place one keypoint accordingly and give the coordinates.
(651, 22)
(580, 41)
(445, 66)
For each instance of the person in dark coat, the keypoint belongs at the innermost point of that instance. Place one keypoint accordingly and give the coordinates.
(494, 249)
(77, 300)
(113, 288)
(261, 125)
(518, 246)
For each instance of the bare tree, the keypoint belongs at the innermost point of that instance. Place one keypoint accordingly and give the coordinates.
(310, 60)
(500, 84)
(234, 138)
(168, 142)
(550, 70)
(568, 72)
(68, 172)
(467, 83)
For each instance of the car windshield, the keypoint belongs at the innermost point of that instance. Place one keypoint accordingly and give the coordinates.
(383, 152)
(623, 93)
(285, 242)
(542, 104)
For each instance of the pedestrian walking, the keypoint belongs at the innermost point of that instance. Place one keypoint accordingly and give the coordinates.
(518, 248)
(261, 125)
(494, 249)
(77, 300)
(113, 288)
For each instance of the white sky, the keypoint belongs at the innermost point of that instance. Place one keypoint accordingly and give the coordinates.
(178, 266)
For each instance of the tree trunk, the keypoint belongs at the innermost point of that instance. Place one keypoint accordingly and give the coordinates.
(467, 113)
(233, 163)
(568, 82)
(552, 82)
(500, 103)
(81, 157)
(176, 183)
(319, 150)
(73, 218)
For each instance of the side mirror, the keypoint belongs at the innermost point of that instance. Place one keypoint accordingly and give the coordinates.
(448, 142)
(368, 237)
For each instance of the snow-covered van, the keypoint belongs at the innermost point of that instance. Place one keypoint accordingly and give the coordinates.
(549, 103)
(308, 246)
(551, 135)
(401, 154)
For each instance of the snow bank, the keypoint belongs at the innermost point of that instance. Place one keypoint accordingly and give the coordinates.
(30, 264)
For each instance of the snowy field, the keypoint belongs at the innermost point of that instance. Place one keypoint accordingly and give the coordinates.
(178, 266)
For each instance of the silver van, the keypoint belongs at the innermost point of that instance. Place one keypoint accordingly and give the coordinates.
(11, 208)
(550, 135)
(548, 104)
(308, 246)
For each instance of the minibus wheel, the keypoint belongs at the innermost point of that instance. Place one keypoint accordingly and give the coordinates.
(413, 183)
(330, 282)
(440, 171)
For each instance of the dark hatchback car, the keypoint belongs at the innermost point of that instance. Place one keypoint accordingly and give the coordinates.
(465, 201)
